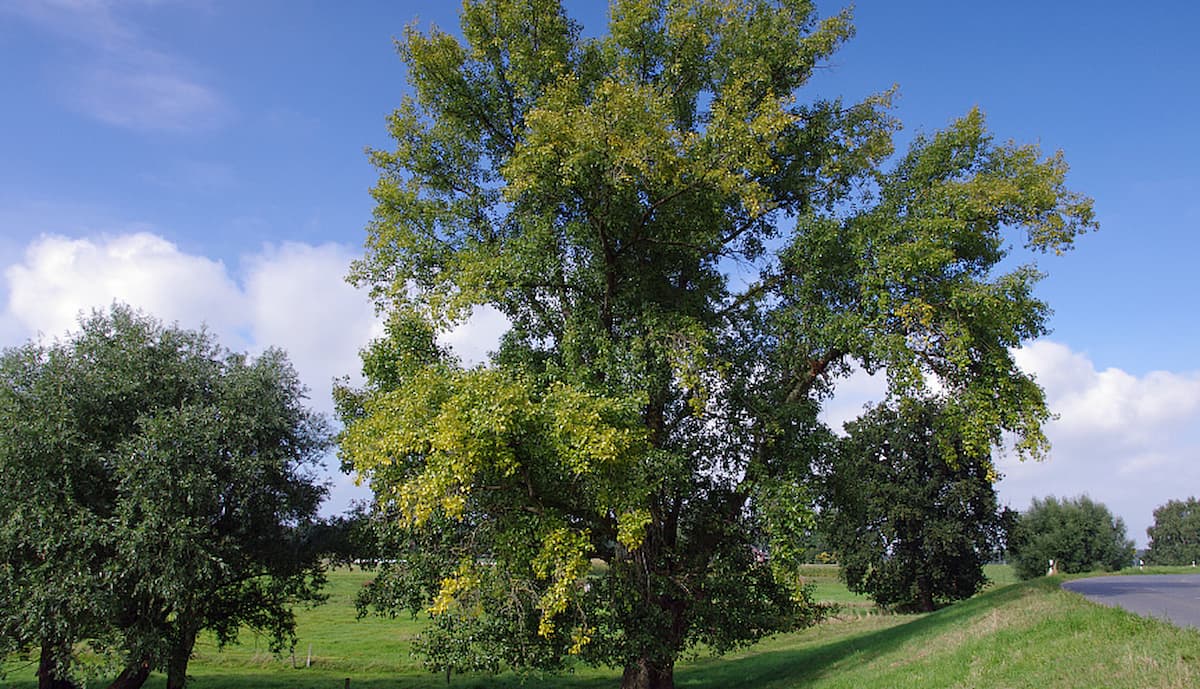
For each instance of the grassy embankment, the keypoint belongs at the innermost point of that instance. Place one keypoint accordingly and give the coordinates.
(1028, 634)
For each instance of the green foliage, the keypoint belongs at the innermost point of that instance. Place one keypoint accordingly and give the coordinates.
(1078, 534)
(152, 486)
(345, 539)
(691, 251)
(1175, 535)
(912, 528)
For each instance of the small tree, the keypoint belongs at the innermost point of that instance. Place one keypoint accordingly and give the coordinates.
(913, 516)
(1175, 535)
(1078, 534)
(152, 485)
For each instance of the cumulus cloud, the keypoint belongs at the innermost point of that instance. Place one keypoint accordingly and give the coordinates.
(60, 277)
(1112, 402)
(852, 395)
(296, 297)
(1128, 440)
(291, 296)
(478, 337)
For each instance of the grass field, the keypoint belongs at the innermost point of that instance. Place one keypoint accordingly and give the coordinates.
(1029, 634)
(828, 588)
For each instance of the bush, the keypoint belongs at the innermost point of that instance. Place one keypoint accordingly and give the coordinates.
(1078, 534)
(1175, 536)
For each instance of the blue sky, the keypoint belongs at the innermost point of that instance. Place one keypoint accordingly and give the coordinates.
(204, 160)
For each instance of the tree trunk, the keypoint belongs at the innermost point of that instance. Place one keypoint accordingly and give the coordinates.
(181, 653)
(48, 670)
(655, 669)
(132, 677)
(645, 674)
(925, 595)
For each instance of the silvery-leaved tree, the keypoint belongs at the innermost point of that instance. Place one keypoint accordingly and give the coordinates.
(153, 486)
(691, 249)
(1175, 535)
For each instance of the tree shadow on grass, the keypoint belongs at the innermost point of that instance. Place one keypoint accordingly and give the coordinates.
(764, 669)
(794, 667)
(422, 681)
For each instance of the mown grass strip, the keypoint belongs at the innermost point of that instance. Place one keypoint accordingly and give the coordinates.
(1030, 634)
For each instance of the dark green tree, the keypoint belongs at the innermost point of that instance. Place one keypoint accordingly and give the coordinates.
(691, 250)
(48, 536)
(1175, 535)
(348, 539)
(153, 485)
(912, 516)
(1078, 534)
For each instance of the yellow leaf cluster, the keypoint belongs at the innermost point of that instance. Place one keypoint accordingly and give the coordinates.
(631, 527)
(464, 580)
(562, 560)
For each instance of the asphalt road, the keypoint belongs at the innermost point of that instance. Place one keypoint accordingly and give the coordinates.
(1173, 597)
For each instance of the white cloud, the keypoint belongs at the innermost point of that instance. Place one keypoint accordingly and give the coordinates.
(147, 97)
(1129, 441)
(296, 298)
(478, 336)
(1112, 402)
(291, 296)
(123, 78)
(61, 277)
(851, 396)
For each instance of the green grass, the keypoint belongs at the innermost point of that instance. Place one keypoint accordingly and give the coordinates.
(1030, 634)
(828, 588)
(338, 640)
(999, 575)
(1151, 569)
(1023, 635)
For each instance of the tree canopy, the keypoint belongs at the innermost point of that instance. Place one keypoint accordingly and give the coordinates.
(911, 527)
(152, 485)
(1080, 535)
(1175, 535)
(691, 249)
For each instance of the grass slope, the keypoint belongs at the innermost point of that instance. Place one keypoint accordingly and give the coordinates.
(1029, 634)
(1022, 635)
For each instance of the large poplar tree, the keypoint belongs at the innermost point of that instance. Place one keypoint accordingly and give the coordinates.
(691, 248)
